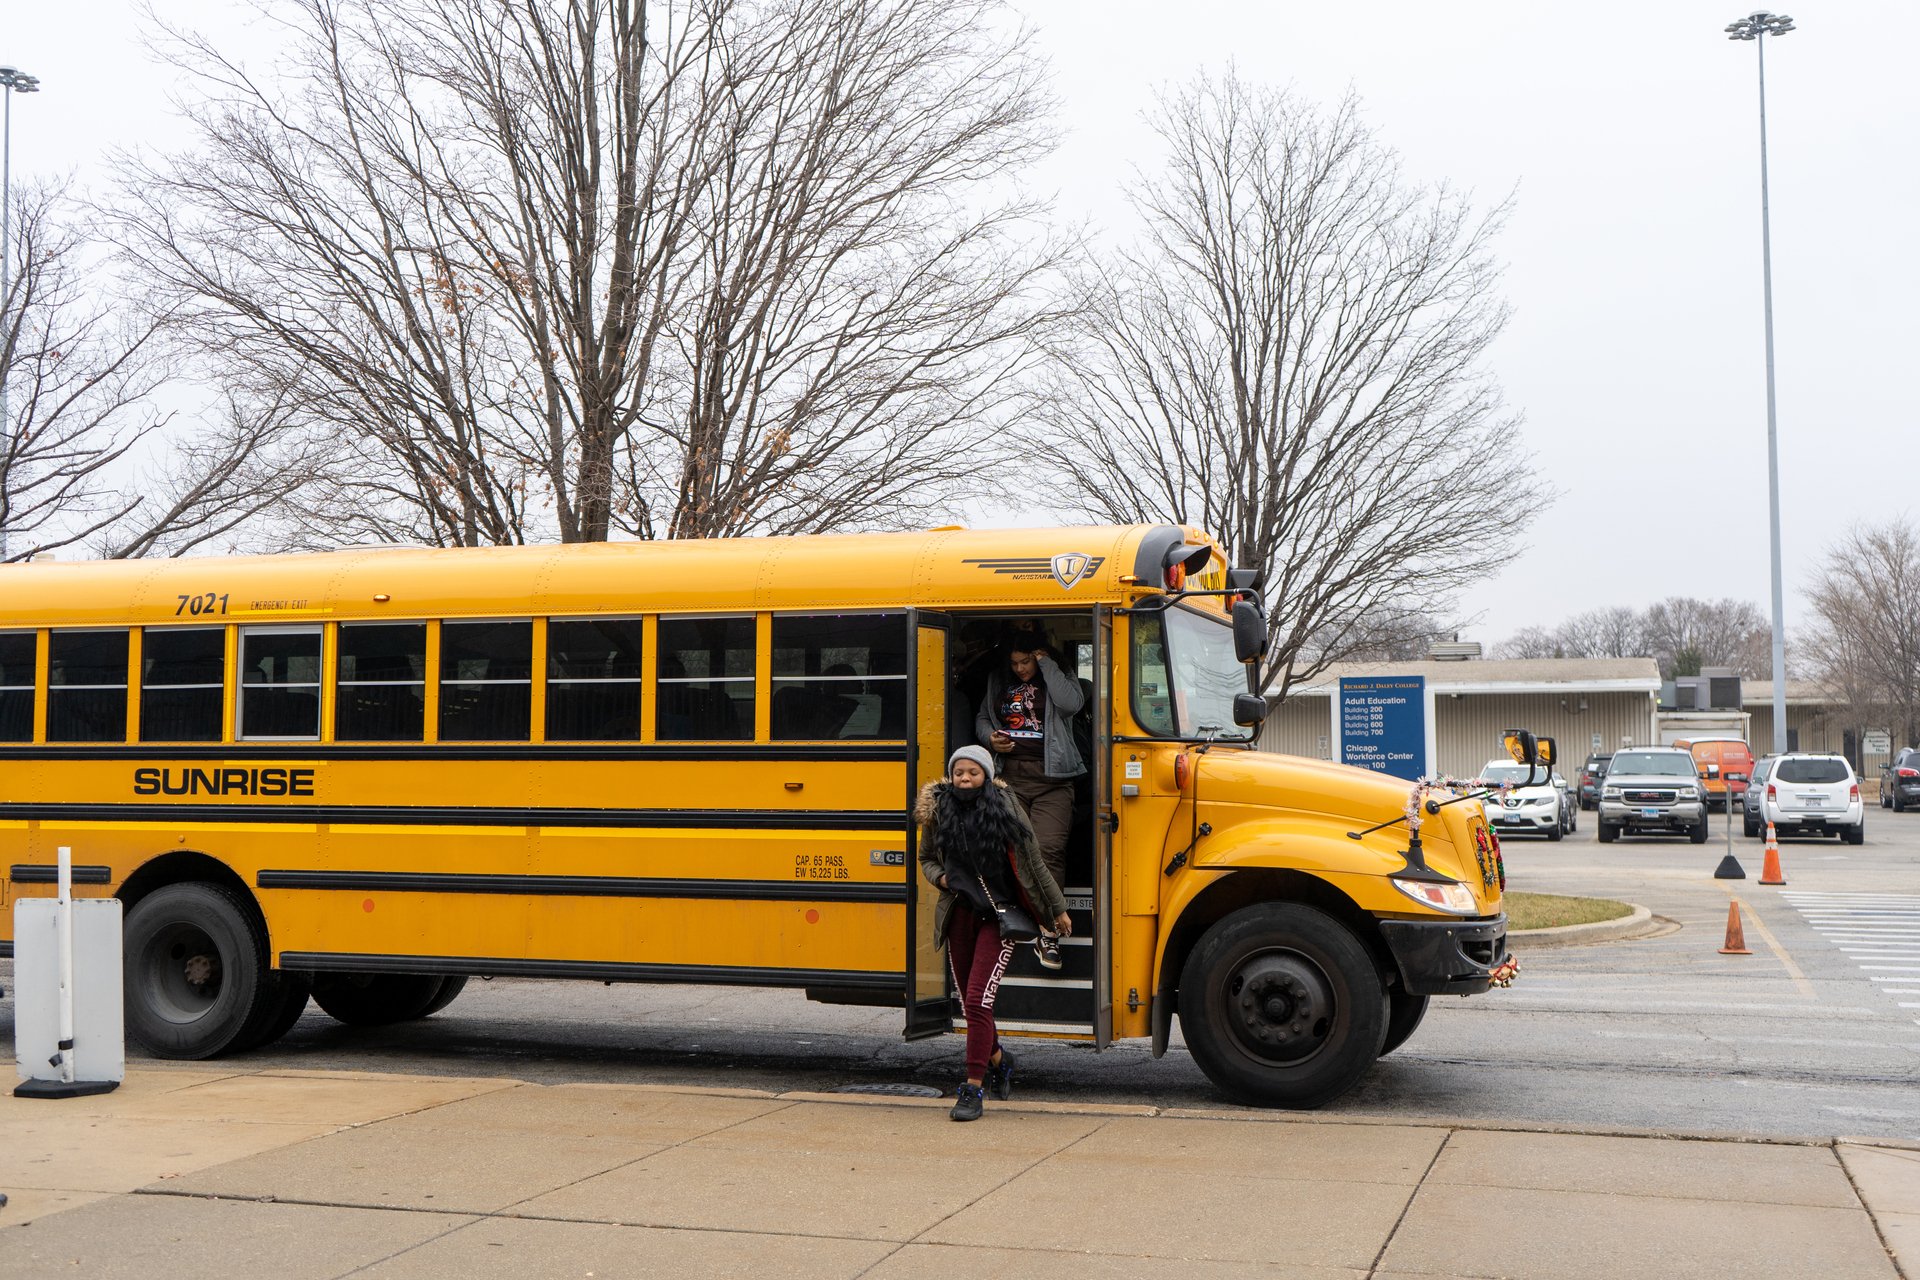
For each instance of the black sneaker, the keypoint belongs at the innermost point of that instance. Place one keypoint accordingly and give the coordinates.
(1047, 947)
(1000, 1078)
(969, 1100)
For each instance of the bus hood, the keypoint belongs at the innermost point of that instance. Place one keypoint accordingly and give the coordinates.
(1328, 800)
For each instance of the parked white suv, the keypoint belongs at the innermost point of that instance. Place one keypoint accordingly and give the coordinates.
(1811, 794)
(1540, 807)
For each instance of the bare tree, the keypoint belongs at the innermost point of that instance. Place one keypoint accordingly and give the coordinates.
(559, 269)
(1684, 633)
(1532, 642)
(1866, 596)
(80, 381)
(237, 476)
(1681, 633)
(1615, 632)
(91, 458)
(1291, 358)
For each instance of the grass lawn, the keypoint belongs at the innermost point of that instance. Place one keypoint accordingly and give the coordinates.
(1551, 910)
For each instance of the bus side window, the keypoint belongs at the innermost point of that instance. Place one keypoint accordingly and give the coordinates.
(280, 682)
(87, 686)
(183, 672)
(16, 686)
(839, 676)
(381, 684)
(593, 680)
(486, 681)
(706, 678)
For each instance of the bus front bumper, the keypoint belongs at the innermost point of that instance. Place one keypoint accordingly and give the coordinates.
(1446, 957)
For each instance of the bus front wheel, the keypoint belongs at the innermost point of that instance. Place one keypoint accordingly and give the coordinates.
(1403, 1017)
(376, 999)
(196, 971)
(1282, 1006)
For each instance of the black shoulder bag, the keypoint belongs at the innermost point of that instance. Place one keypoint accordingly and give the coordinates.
(1015, 924)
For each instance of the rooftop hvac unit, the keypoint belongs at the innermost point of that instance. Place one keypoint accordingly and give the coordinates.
(1723, 688)
(1453, 650)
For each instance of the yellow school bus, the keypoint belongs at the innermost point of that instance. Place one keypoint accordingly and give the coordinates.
(364, 776)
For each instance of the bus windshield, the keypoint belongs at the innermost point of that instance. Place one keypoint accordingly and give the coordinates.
(1185, 675)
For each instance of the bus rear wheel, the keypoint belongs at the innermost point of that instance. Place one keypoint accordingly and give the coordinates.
(195, 971)
(448, 990)
(1282, 1006)
(280, 1011)
(376, 999)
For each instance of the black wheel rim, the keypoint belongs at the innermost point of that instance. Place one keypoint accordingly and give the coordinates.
(181, 973)
(1279, 1007)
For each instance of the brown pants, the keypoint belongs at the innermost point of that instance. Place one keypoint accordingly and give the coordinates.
(1048, 803)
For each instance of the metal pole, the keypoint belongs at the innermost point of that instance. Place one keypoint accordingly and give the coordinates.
(1773, 435)
(6, 297)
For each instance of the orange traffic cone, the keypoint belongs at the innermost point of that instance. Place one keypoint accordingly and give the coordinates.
(1736, 937)
(1770, 873)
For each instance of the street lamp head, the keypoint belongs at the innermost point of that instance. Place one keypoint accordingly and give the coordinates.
(18, 81)
(1758, 24)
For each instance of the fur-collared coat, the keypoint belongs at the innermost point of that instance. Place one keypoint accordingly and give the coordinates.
(1043, 896)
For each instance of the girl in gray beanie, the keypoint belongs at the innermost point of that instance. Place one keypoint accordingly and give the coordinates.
(972, 834)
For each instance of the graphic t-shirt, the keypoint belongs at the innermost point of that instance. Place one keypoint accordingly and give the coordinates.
(1023, 709)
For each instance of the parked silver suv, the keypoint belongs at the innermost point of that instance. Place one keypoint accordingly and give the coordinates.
(1652, 790)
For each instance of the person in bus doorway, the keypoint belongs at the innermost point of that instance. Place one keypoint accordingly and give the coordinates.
(1027, 719)
(977, 848)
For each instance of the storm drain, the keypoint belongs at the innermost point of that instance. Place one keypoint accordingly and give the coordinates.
(892, 1090)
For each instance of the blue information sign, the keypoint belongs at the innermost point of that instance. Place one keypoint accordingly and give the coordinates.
(1383, 724)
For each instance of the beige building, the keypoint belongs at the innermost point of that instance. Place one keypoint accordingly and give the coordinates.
(1584, 704)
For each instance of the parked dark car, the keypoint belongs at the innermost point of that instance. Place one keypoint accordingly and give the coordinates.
(1900, 780)
(1751, 820)
(1590, 774)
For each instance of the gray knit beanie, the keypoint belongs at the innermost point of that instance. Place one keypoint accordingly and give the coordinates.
(979, 755)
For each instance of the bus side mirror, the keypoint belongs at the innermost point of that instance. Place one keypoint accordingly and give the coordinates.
(1710, 771)
(1249, 709)
(1249, 632)
(1547, 750)
(1520, 745)
(1736, 777)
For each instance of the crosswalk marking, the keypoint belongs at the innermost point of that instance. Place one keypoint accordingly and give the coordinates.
(1879, 932)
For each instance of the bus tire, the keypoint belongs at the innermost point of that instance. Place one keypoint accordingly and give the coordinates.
(195, 971)
(448, 990)
(375, 999)
(282, 1011)
(1282, 1006)
(1403, 1017)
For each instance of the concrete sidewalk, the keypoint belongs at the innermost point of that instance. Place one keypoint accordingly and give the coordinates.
(197, 1172)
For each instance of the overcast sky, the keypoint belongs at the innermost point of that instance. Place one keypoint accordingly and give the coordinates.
(1629, 134)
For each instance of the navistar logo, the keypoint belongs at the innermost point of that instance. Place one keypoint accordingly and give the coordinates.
(222, 782)
(1069, 568)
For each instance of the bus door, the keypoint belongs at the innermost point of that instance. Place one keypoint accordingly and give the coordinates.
(929, 1012)
(1105, 819)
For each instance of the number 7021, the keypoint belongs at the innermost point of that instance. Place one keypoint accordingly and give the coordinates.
(211, 602)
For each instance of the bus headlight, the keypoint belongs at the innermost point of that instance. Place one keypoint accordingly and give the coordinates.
(1452, 896)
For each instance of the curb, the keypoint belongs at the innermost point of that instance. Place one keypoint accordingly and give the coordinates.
(1637, 923)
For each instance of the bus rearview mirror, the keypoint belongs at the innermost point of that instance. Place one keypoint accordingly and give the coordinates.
(1249, 632)
(1521, 746)
(1249, 709)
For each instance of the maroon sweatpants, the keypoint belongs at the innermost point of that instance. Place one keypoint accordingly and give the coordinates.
(976, 958)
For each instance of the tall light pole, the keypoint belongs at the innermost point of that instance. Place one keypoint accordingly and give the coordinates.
(12, 81)
(1757, 27)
